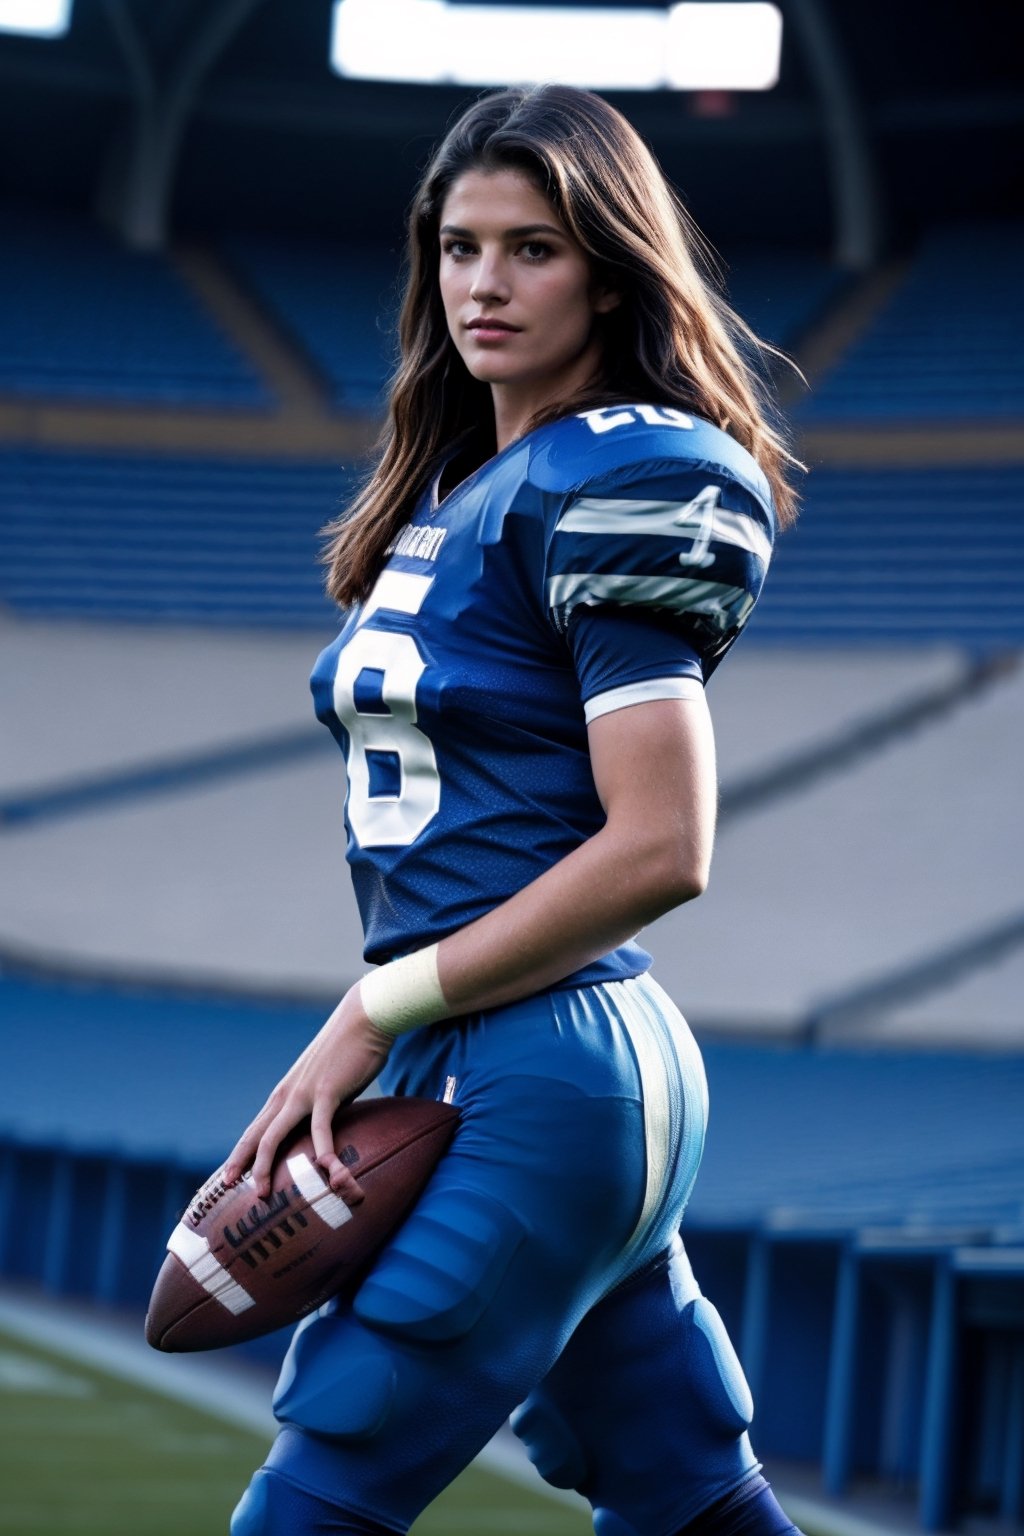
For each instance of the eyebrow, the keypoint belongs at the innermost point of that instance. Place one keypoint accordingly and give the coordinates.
(510, 234)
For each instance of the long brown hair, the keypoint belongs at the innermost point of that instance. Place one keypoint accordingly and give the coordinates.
(672, 339)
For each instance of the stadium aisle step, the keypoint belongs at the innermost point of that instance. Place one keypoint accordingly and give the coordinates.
(253, 332)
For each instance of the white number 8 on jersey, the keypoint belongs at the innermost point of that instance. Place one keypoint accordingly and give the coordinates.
(387, 820)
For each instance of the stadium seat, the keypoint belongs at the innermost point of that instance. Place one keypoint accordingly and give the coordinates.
(86, 320)
(336, 301)
(946, 347)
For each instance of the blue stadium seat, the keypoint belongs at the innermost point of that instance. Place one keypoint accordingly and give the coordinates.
(122, 536)
(949, 344)
(895, 556)
(337, 302)
(84, 319)
(901, 556)
(781, 294)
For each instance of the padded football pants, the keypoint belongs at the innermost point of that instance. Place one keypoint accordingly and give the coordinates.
(539, 1275)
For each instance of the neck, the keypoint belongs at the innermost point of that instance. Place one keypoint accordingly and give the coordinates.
(510, 418)
(516, 404)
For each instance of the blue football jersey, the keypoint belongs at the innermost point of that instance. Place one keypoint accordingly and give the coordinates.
(601, 560)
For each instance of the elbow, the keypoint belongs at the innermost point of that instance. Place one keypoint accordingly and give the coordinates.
(688, 885)
(677, 875)
(697, 885)
(654, 869)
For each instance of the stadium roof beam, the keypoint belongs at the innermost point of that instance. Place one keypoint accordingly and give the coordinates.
(137, 181)
(856, 207)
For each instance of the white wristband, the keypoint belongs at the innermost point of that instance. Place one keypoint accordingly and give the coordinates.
(405, 993)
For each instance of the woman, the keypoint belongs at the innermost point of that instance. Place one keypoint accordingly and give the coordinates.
(559, 544)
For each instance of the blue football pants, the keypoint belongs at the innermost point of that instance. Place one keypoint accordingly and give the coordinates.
(540, 1275)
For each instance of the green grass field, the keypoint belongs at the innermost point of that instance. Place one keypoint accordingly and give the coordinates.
(83, 1453)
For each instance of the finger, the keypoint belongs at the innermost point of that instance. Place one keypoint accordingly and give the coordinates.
(241, 1155)
(341, 1180)
(344, 1184)
(271, 1139)
(321, 1125)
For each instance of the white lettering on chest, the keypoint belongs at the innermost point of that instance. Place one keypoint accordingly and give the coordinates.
(420, 543)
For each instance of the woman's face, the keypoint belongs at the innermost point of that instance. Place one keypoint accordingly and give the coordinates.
(517, 290)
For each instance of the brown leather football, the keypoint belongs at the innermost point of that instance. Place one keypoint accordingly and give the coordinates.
(238, 1266)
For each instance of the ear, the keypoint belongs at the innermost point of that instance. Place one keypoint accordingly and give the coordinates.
(605, 300)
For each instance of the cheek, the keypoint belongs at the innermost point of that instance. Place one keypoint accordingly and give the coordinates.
(569, 311)
(451, 291)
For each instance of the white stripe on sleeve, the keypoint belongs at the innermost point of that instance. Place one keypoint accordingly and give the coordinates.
(642, 693)
(726, 607)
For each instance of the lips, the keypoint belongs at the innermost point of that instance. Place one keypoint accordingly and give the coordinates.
(485, 323)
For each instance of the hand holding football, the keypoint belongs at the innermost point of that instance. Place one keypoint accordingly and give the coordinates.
(239, 1266)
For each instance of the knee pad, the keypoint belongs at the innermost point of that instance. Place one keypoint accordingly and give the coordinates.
(550, 1442)
(252, 1513)
(435, 1278)
(715, 1370)
(646, 1411)
(274, 1506)
(271, 1506)
(570, 1434)
(606, 1523)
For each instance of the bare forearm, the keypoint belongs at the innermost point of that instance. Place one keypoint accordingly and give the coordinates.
(591, 901)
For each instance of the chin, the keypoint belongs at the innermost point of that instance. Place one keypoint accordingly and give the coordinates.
(490, 371)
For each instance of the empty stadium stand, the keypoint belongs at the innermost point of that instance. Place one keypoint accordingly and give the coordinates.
(781, 294)
(950, 1010)
(166, 538)
(339, 304)
(888, 857)
(903, 555)
(835, 781)
(947, 346)
(141, 697)
(837, 1152)
(85, 320)
(336, 302)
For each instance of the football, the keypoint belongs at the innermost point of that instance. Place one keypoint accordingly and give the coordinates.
(238, 1266)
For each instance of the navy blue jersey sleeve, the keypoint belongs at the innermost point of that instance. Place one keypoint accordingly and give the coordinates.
(629, 656)
(672, 537)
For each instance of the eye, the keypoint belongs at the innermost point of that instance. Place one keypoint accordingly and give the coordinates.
(536, 250)
(458, 250)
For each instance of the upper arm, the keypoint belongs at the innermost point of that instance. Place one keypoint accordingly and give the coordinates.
(652, 569)
(654, 769)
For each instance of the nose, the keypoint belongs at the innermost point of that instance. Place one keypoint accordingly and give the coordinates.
(490, 281)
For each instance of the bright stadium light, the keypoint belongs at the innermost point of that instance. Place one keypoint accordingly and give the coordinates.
(35, 18)
(724, 47)
(733, 46)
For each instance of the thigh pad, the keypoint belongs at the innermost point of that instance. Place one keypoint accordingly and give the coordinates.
(349, 1368)
(438, 1274)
